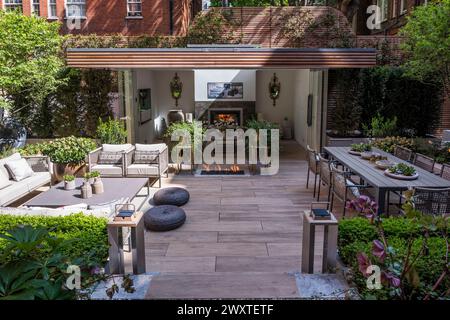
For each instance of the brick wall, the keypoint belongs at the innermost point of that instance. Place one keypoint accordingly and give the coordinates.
(110, 16)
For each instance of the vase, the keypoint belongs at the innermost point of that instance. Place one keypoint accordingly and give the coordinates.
(86, 190)
(175, 116)
(69, 185)
(97, 186)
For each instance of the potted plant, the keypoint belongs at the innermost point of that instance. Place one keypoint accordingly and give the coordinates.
(359, 148)
(97, 185)
(69, 182)
(86, 188)
(402, 171)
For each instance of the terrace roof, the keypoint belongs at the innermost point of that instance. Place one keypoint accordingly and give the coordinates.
(221, 57)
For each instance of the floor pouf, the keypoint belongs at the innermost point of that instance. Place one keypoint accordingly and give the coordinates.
(171, 196)
(164, 218)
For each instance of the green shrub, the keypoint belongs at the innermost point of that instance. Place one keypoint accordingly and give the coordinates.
(388, 144)
(111, 131)
(380, 127)
(70, 150)
(88, 233)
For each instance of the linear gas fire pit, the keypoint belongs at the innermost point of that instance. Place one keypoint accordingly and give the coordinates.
(222, 170)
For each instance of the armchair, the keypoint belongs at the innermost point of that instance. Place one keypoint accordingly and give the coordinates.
(110, 159)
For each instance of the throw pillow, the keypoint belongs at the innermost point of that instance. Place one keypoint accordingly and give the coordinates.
(4, 181)
(354, 190)
(116, 147)
(145, 157)
(15, 156)
(19, 169)
(151, 147)
(110, 158)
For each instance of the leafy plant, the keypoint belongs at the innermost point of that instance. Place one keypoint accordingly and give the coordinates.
(94, 174)
(388, 144)
(184, 127)
(70, 150)
(380, 127)
(402, 169)
(361, 147)
(69, 177)
(112, 131)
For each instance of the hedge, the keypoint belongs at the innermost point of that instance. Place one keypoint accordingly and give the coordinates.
(356, 235)
(88, 233)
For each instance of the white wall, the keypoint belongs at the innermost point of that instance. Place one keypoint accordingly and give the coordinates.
(247, 77)
(300, 97)
(284, 107)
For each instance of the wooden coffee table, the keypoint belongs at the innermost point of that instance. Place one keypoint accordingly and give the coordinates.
(114, 189)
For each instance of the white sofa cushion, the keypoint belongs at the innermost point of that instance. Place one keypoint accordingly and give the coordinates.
(4, 181)
(151, 147)
(142, 170)
(116, 147)
(19, 169)
(108, 169)
(15, 156)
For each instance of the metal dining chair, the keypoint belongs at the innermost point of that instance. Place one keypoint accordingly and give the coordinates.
(313, 166)
(432, 201)
(424, 162)
(342, 187)
(403, 153)
(445, 171)
(324, 176)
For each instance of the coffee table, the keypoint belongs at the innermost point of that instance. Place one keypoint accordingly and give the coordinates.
(114, 189)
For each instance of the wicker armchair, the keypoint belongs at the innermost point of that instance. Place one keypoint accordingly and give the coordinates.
(324, 176)
(445, 171)
(342, 187)
(313, 166)
(432, 201)
(403, 153)
(424, 162)
(109, 160)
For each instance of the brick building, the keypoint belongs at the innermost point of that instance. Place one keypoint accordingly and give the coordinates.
(128, 17)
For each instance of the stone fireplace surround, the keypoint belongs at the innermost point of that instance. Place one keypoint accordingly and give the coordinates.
(202, 107)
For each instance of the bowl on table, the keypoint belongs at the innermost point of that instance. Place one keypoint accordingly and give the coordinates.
(384, 164)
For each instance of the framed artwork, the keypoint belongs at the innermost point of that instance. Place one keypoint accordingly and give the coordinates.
(145, 105)
(225, 90)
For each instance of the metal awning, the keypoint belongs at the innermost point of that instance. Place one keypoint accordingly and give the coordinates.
(220, 58)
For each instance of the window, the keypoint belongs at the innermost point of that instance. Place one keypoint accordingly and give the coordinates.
(35, 8)
(134, 8)
(394, 8)
(52, 9)
(11, 5)
(403, 6)
(383, 5)
(75, 8)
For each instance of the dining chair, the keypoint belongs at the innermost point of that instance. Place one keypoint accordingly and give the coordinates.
(313, 166)
(432, 201)
(342, 187)
(424, 162)
(324, 176)
(445, 171)
(403, 153)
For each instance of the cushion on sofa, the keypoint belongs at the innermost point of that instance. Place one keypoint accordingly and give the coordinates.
(116, 147)
(151, 147)
(110, 158)
(142, 170)
(4, 181)
(19, 169)
(15, 156)
(108, 169)
(145, 157)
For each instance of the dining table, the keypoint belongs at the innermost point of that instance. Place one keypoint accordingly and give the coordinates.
(376, 178)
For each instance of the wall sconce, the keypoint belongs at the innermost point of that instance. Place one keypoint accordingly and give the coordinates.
(176, 87)
(274, 88)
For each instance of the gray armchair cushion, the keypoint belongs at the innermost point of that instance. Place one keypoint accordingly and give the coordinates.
(145, 157)
(116, 147)
(142, 170)
(108, 169)
(114, 158)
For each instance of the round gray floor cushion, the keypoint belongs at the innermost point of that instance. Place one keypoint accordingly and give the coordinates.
(164, 218)
(174, 196)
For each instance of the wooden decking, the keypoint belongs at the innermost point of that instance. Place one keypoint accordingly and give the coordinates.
(242, 236)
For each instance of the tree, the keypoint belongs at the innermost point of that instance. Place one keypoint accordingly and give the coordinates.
(427, 42)
(30, 58)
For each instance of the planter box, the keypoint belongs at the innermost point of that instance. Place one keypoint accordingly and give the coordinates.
(344, 142)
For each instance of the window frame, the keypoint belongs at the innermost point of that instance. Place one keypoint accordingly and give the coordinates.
(384, 10)
(49, 10)
(129, 13)
(32, 6)
(403, 7)
(7, 6)
(75, 3)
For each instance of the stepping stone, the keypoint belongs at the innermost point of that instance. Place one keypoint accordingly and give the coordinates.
(164, 218)
(171, 196)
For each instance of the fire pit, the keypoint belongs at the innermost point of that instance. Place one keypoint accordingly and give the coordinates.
(222, 170)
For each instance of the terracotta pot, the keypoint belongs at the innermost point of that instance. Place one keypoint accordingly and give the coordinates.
(61, 169)
(175, 116)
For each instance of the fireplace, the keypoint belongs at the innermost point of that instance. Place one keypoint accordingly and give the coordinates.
(230, 116)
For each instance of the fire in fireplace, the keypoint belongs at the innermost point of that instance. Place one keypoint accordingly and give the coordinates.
(226, 116)
(219, 170)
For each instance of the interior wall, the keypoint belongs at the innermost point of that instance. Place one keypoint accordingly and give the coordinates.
(284, 107)
(300, 97)
(247, 77)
